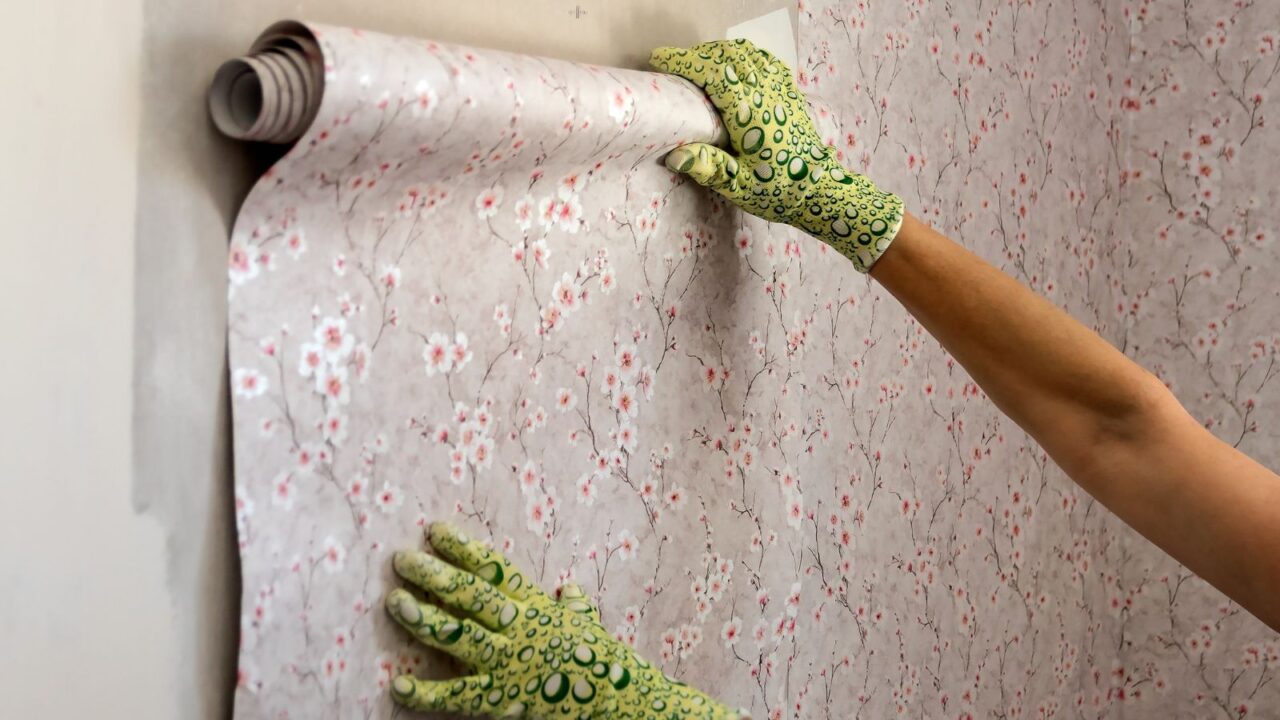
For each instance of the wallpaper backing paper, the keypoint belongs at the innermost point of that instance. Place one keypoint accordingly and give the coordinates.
(471, 292)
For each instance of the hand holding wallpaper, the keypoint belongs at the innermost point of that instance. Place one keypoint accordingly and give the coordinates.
(472, 291)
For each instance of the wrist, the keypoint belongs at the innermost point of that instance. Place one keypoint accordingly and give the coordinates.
(861, 222)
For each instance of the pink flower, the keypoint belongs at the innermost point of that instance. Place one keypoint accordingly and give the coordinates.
(424, 100)
(565, 293)
(332, 383)
(627, 545)
(437, 355)
(626, 437)
(742, 240)
(295, 243)
(626, 358)
(524, 210)
(240, 263)
(586, 489)
(283, 492)
(362, 358)
(676, 497)
(334, 427)
(487, 202)
(624, 401)
(333, 555)
(620, 103)
(460, 355)
(390, 277)
(541, 253)
(388, 498)
(482, 453)
(334, 339)
(565, 400)
(249, 383)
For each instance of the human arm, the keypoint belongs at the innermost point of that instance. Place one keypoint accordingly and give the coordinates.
(1113, 427)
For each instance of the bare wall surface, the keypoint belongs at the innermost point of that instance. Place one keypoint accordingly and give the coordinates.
(190, 182)
(84, 610)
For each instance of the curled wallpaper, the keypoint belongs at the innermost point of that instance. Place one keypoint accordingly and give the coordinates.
(470, 291)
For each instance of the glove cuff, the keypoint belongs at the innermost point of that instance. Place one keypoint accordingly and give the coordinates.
(865, 221)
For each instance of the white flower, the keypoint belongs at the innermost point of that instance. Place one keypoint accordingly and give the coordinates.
(310, 359)
(569, 214)
(283, 492)
(356, 488)
(625, 403)
(362, 358)
(334, 429)
(676, 497)
(388, 498)
(524, 212)
(436, 354)
(541, 253)
(424, 100)
(332, 383)
(538, 516)
(548, 210)
(731, 632)
(241, 265)
(390, 277)
(627, 545)
(587, 489)
(742, 240)
(333, 556)
(249, 383)
(461, 355)
(488, 201)
(626, 358)
(626, 436)
(621, 101)
(334, 339)
(481, 454)
(565, 293)
(295, 243)
(566, 400)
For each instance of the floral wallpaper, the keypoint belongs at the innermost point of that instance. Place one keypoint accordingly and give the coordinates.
(472, 292)
(1190, 286)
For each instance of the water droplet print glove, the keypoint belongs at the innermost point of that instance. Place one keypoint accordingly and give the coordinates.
(780, 169)
(532, 656)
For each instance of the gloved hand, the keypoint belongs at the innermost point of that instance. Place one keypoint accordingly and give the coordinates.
(780, 169)
(532, 656)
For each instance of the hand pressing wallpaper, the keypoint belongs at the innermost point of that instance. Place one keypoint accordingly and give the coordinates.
(472, 292)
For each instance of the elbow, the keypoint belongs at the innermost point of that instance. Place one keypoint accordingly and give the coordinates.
(1144, 406)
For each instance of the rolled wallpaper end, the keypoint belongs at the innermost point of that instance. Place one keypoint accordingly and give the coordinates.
(273, 93)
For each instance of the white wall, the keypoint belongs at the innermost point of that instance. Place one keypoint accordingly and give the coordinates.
(84, 605)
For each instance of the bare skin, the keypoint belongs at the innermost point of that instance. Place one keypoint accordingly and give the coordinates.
(1113, 427)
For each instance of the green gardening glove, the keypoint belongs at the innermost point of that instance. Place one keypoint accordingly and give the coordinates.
(780, 169)
(533, 657)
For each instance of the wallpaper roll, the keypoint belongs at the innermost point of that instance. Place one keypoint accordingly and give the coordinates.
(471, 291)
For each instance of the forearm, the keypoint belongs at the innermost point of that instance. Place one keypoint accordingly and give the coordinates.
(1057, 379)
(1109, 424)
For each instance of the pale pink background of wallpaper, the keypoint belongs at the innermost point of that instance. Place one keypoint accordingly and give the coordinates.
(777, 485)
